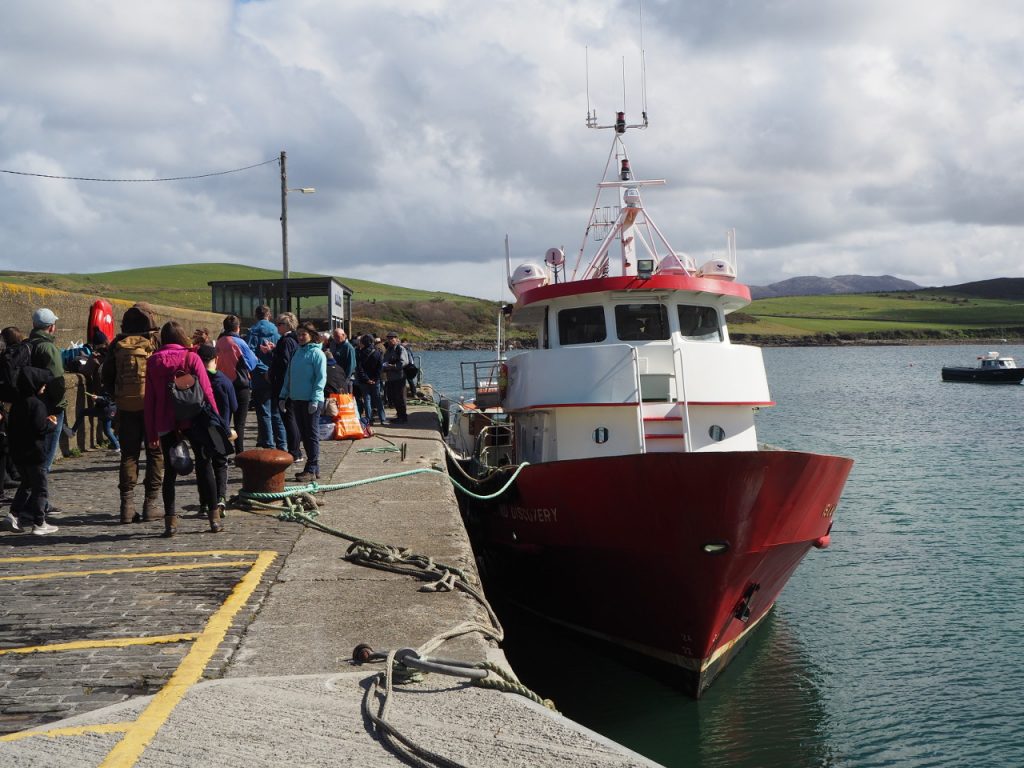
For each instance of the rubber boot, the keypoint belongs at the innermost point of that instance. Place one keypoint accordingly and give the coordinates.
(215, 516)
(150, 507)
(128, 513)
(170, 526)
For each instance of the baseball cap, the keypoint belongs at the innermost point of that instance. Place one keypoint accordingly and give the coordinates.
(43, 317)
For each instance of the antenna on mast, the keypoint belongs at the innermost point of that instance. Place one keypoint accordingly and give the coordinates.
(620, 125)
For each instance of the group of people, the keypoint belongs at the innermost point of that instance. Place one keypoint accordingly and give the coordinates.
(171, 391)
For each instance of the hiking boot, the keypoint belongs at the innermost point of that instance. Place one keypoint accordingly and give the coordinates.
(44, 529)
(170, 526)
(128, 513)
(10, 523)
(54, 511)
(307, 477)
(215, 516)
(149, 509)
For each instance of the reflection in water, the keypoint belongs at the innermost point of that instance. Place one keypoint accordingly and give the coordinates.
(765, 710)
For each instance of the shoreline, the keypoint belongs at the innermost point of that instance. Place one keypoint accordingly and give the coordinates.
(800, 341)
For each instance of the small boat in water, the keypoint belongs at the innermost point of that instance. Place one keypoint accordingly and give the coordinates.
(991, 369)
(642, 510)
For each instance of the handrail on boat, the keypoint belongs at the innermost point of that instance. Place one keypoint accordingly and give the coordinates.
(677, 353)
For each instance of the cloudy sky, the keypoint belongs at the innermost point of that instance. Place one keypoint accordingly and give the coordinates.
(837, 137)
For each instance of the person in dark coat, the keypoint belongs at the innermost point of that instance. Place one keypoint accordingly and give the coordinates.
(214, 446)
(282, 356)
(31, 425)
(367, 383)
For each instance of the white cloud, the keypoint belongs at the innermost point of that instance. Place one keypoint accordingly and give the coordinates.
(837, 137)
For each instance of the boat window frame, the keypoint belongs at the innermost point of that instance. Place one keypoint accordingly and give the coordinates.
(717, 336)
(562, 330)
(665, 321)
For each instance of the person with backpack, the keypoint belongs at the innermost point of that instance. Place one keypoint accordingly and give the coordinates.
(30, 428)
(236, 361)
(166, 423)
(410, 371)
(46, 354)
(263, 337)
(124, 376)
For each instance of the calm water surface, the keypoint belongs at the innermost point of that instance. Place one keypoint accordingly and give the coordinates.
(900, 645)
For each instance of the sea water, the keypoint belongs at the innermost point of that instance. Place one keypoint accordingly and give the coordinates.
(902, 644)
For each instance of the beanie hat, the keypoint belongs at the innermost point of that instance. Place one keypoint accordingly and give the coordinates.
(139, 318)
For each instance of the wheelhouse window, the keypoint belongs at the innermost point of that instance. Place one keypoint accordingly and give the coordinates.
(641, 322)
(582, 325)
(699, 323)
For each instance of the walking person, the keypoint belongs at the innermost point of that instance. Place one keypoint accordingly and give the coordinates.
(213, 439)
(303, 395)
(163, 428)
(395, 360)
(367, 383)
(262, 338)
(236, 361)
(282, 356)
(30, 427)
(124, 375)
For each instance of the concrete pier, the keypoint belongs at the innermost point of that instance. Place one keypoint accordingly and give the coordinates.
(118, 647)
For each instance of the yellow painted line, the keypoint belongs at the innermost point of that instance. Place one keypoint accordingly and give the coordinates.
(76, 730)
(129, 556)
(115, 642)
(109, 571)
(127, 751)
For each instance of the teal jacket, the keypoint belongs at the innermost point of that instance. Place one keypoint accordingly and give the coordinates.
(306, 374)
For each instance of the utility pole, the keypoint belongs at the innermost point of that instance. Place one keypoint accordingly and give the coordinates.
(285, 302)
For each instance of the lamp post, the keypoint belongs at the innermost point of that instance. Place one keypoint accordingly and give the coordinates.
(285, 189)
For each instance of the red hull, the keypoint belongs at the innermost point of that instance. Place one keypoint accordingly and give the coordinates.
(616, 546)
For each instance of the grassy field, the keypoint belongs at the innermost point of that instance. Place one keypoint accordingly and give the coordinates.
(860, 314)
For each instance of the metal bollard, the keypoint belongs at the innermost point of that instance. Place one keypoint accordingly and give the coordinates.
(263, 469)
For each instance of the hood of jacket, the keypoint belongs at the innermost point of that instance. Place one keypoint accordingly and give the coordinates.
(32, 379)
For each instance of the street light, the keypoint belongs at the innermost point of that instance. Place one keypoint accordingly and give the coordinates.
(285, 189)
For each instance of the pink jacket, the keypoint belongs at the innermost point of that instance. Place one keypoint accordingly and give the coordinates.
(160, 369)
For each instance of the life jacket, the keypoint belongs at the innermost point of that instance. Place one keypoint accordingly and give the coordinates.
(130, 356)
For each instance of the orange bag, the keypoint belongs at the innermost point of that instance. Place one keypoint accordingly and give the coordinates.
(346, 424)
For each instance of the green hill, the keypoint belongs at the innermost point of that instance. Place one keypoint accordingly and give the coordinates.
(954, 313)
(376, 308)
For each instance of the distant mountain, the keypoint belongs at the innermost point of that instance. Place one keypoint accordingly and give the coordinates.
(1007, 288)
(825, 286)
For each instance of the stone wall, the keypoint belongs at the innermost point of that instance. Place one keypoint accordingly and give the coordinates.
(18, 302)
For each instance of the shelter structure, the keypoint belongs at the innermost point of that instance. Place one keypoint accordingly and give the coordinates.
(321, 300)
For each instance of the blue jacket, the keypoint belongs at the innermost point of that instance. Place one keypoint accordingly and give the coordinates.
(262, 331)
(306, 375)
(345, 356)
(224, 394)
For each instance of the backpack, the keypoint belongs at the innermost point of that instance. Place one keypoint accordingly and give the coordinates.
(130, 356)
(12, 361)
(186, 396)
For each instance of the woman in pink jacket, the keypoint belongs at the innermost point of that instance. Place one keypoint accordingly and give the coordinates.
(163, 430)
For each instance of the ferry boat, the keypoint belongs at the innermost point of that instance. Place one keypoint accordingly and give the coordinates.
(991, 369)
(642, 511)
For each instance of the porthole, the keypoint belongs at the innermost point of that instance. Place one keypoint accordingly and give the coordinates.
(716, 433)
(601, 435)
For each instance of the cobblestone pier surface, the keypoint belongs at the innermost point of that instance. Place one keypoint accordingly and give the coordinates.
(119, 647)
